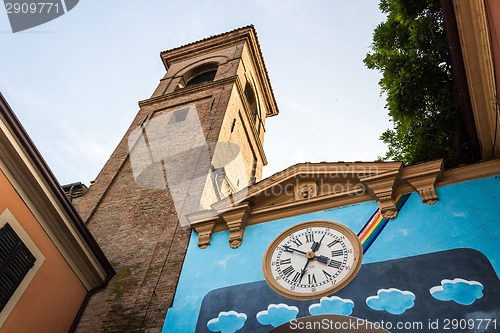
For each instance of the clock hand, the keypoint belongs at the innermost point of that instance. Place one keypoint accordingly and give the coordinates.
(303, 271)
(316, 245)
(322, 259)
(289, 249)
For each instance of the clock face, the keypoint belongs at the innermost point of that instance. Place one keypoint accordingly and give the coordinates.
(312, 260)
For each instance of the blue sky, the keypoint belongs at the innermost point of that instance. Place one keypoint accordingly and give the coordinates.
(75, 82)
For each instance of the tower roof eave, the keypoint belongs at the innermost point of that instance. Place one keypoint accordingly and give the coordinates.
(247, 32)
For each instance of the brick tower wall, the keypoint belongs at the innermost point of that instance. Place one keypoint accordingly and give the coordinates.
(138, 231)
(138, 228)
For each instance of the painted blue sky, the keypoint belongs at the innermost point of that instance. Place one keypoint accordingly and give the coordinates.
(75, 82)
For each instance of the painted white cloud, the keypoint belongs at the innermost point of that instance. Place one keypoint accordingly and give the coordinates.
(227, 322)
(459, 290)
(391, 300)
(277, 314)
(223, 262)
(332, 305)
(455, 214)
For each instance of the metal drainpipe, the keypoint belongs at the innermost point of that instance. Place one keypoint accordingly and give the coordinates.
(72, 188)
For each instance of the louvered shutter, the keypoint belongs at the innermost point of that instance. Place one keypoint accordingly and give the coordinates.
(15, 262)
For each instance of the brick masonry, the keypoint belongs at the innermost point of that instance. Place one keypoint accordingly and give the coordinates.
(137, 227)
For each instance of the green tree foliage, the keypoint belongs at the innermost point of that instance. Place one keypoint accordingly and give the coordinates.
(411, 51)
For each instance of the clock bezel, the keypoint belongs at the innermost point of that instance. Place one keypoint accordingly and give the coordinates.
(283, 291)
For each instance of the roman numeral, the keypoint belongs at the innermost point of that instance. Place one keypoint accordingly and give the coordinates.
(309, 238)
(337, 253)
(312, 278)
(297, 242)
(335, 264)
(296, 278)
(288, 271)
(333, 243)
(326, 274)
(286, 261)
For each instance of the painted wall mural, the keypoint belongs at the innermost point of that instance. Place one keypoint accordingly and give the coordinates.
(392, 300)
(227, 322)
(432, 264)
(459, 290)
(277, 314)
(332, 305)
(372, 229)
(390, 291)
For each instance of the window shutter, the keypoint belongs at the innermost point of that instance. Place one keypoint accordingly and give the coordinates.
(15, 262)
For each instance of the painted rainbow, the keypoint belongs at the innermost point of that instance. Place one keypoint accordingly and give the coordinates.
(377, 223)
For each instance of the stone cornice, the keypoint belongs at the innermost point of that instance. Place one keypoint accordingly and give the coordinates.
(423, 179)
(341, 171)
(188, 90)
(381, 187)
(469, 172)
(236, 221)
(360, 181)
(253, 139)
(204, 227)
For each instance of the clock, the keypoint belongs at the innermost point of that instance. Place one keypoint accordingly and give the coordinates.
(312, 259)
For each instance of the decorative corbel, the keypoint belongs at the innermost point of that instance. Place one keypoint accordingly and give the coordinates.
(306, 190)
(204, 230)
(381, 187)
(203, 223)
(423, 177)
(236, 220)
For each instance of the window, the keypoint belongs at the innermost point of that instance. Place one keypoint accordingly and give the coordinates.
(233, 125)
(202, 73)
(15, 262)
(253, 178)
(252, 103)
(20, 260)
(203, 77)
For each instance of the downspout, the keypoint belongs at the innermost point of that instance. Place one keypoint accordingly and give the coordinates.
(71, 193)
(90, 293)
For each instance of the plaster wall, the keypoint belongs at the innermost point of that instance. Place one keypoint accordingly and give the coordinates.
(465, 217)
(53, 296)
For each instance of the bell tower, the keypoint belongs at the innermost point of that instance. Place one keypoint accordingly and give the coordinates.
(197, 140)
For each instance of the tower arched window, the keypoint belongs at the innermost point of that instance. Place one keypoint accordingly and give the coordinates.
(200, 74)
(252, 103)
(201, 78)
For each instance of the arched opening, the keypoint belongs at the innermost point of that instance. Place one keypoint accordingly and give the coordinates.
(252, 103)
(251, 100)
(203, 77)
(200, 74)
